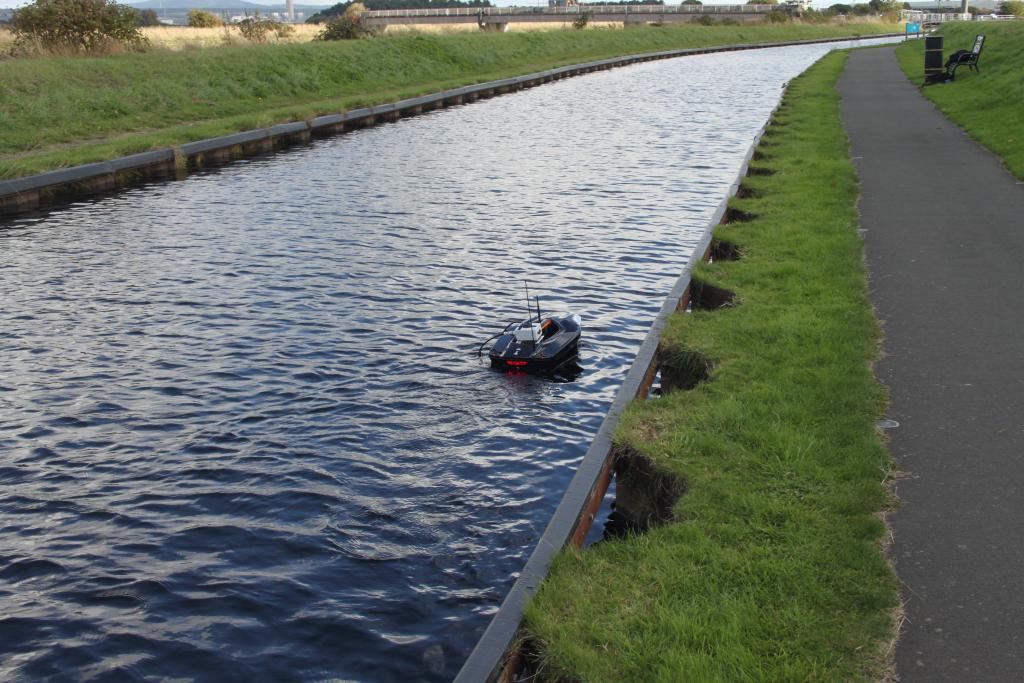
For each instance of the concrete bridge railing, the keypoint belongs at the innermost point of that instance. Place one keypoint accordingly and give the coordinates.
(490, 17)
(573, 10)
(920, 17)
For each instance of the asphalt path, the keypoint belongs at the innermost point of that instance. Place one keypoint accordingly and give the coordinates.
(944, 228)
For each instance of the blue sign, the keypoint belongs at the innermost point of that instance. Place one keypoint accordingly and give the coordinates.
(913, 28)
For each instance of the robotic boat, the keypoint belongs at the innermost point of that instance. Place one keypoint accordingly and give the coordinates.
(538, 344)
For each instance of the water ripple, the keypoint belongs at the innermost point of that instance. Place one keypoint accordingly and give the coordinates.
(243, 431)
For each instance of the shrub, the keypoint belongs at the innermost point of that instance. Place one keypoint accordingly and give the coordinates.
(198, 18)
(344, 27)
(146, 17)
(90, 26)
(777, 17)
(705, 20)
(348, 26)
(692, 2)
(257, 28)
(283, 30)
(581, 20)
(815, 16)
(1014, 7)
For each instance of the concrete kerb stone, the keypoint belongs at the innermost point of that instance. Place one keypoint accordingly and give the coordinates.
(83, 173)
(359, 117)
(192, 149)
(330, 124)
(293, 128)
(223, 149)
(384, 112)
(64, 175)
(141, 160)
(412, 103)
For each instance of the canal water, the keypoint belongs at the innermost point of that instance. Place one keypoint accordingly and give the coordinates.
(244, 432)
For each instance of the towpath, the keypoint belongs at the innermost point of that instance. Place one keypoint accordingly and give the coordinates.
(944, 228)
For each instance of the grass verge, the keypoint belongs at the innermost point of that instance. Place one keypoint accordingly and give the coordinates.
(772, 568)
(67, 111)
(988, 105)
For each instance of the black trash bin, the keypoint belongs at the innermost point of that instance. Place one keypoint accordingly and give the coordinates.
(934, 70)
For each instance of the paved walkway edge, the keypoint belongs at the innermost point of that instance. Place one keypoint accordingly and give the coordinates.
(943, 226)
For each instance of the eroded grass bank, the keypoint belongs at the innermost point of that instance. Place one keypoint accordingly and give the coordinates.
(988, 105)
(66, 111)
(773, 566)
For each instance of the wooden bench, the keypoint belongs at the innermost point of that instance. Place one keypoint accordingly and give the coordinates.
(963, 57)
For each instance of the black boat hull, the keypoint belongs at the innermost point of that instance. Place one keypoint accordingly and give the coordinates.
(556, 345)
(543, 365)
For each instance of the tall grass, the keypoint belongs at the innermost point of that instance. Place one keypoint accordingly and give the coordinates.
(772, 569)
(188, 38)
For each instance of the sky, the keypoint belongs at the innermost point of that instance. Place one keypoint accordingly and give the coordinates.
(500, 3)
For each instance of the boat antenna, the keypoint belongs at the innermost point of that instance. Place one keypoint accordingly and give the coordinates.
(537, 297)
(529, 312)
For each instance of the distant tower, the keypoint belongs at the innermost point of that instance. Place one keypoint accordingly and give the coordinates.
(290, 10)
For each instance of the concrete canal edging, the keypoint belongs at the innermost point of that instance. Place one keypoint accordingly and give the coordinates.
(30, 193)
(497, 656)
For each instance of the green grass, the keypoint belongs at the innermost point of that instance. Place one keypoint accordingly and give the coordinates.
(988, 105)
(773, 568)
(66, 111)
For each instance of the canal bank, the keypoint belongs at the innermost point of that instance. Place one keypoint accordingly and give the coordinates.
(760, 548)
(942, 220)
(127, 112)
(251, 411)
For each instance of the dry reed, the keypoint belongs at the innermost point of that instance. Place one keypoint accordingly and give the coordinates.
(188, 38)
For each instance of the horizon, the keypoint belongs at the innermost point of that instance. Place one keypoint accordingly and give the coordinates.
(816, 4)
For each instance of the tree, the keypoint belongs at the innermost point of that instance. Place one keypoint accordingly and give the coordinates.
(91, 26)
(146, 17)
(198, 18)
(840, 8)
(692, 2)
(1013, 7)
(762, 2)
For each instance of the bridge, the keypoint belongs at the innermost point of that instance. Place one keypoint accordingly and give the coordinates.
(498, 18)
